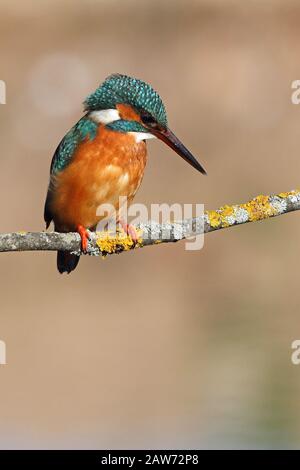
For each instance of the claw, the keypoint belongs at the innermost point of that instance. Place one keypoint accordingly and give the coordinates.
(129, 230)
(84, 235)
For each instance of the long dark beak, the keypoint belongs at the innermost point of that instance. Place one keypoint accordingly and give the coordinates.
(171, 140)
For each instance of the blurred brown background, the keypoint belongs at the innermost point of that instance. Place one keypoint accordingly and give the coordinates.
(160, 347)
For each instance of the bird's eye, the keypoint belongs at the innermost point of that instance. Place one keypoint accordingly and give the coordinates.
(148, 120)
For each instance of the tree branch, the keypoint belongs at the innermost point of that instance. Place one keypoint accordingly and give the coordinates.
(150, 233)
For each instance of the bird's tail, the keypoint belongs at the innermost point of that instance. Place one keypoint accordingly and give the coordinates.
(66, 262)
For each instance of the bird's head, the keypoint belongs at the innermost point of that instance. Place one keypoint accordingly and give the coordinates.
(126, 104)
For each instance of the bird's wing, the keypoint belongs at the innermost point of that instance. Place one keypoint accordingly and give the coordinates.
(83, 129)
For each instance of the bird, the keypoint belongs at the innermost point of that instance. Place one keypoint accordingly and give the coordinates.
(103, 157)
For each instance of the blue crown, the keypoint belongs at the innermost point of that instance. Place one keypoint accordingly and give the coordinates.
(121, 89)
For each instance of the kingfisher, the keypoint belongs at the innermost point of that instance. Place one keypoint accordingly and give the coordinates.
(103, 158)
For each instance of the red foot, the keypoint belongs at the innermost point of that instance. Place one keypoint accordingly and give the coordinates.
(84, 234)
(130, 230)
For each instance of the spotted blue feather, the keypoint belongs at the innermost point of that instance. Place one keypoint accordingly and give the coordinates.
(118, 89)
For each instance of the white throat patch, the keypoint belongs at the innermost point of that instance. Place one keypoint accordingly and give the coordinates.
(139, 136)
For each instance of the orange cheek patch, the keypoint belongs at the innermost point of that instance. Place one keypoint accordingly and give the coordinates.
(128, 113)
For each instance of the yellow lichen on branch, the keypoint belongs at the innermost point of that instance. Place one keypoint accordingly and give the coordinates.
(150, 233)
(259, 208)
(113, 243)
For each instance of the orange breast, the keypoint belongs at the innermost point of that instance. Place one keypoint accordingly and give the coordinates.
(102, 170)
